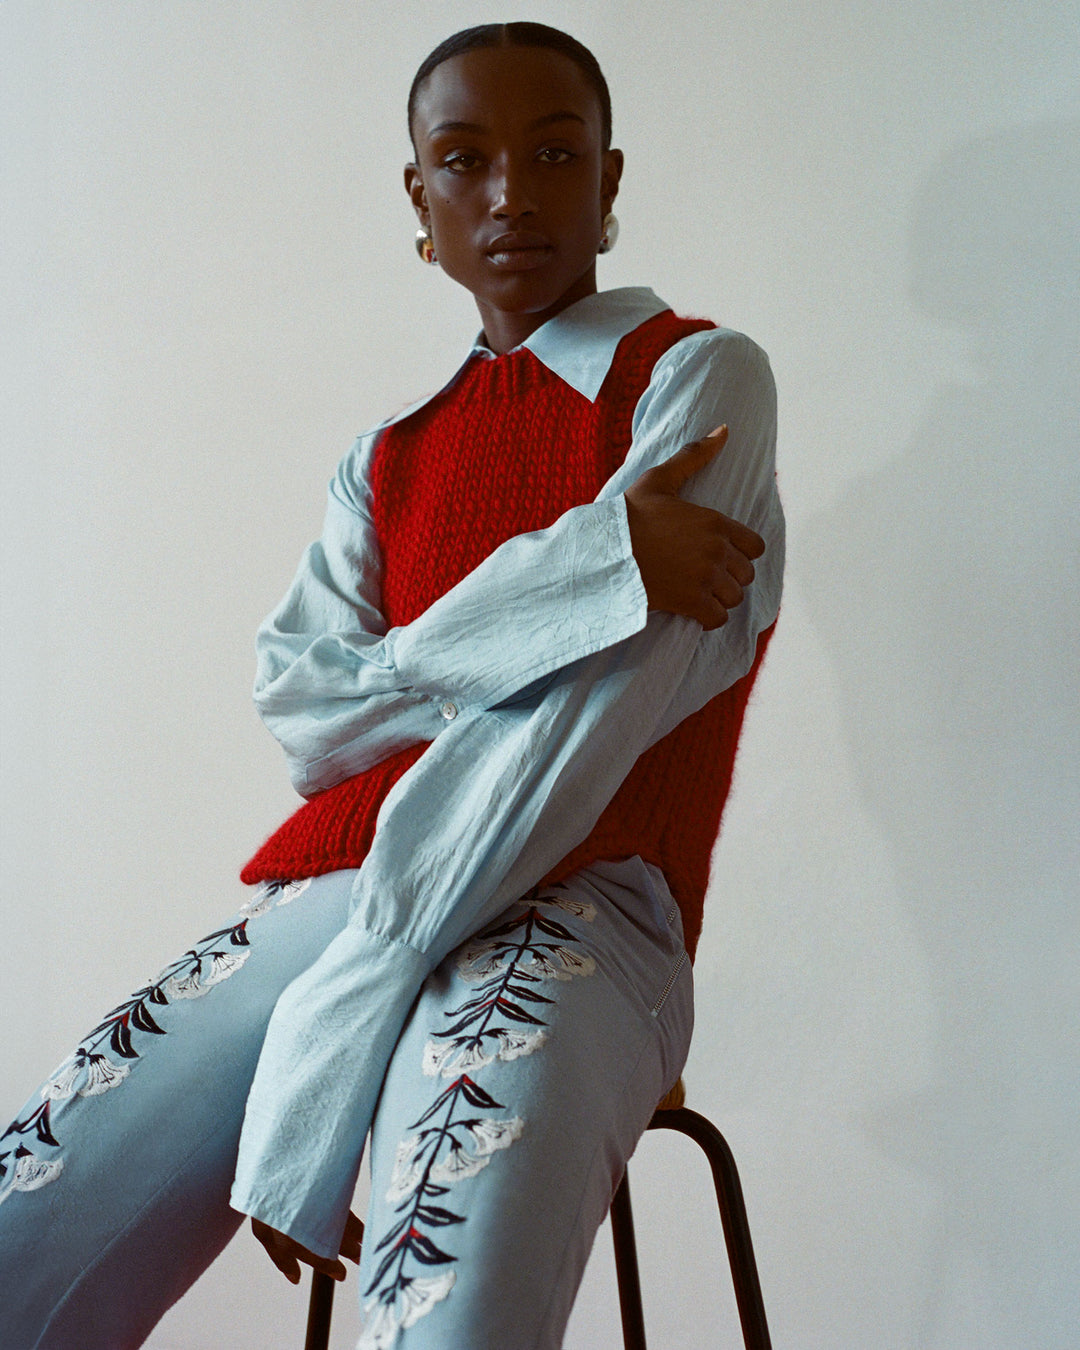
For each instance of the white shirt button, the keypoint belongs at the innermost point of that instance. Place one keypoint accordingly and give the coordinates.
(449, 710)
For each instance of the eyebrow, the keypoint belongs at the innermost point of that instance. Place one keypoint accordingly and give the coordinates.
(474, 128)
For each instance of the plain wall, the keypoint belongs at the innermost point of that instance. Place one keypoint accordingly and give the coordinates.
(211, 286)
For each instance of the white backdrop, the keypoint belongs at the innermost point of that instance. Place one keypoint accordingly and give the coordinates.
(211, 286)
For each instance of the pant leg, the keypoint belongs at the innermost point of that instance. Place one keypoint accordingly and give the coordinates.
(528, 1068)
(114, 1179)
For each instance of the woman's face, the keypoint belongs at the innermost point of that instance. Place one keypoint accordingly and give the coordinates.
(512, 182)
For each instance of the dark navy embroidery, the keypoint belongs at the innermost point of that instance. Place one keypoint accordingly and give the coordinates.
(105, 1058)
(505, 963)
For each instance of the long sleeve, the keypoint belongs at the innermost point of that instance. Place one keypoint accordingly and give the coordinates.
(341, 692)
(507, 792)
(498, 798)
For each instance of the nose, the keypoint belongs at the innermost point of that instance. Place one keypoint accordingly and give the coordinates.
(511, 191)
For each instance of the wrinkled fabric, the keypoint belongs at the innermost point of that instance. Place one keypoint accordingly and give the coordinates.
(548, 718)
(114, 1178)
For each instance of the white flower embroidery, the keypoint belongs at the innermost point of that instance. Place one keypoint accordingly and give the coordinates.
(559, 963)
(222, 965)
(407, 1170)
(481, 958)
(259, 903)
(61, 1084)
(514, 1044)
(466, 1054)
(268, 894)
(458, 1165)
(291, 889)
(202, 978)
(103, 1075)
(581, 908)
(186, 986)
(31, 1173)
(413, 1299)
(462, 1054)
(423, 1292)
(487, 1136)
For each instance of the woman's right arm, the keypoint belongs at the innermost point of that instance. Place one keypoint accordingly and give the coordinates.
(324, 684)
(341, 691)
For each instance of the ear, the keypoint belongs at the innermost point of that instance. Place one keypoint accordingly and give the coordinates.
(414, 186)
(610, 173)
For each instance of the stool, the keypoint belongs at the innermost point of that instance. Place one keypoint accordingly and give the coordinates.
(729, 1196)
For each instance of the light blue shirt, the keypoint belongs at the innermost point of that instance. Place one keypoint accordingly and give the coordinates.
(539, 679)
(340, 691)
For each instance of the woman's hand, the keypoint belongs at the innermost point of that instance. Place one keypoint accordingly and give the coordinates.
(693, 561)
(287, 1254)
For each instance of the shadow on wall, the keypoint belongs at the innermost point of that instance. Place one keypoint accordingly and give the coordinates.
(947, 597)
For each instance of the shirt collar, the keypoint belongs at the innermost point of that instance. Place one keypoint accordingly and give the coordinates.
(579, 343)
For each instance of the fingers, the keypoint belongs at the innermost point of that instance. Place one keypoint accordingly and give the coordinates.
(352, 1238)
(738, 565)
(715, 616)
(286, 1263)
(728, 591)
(286, 1253)
(289, 1266)
(684, 463)
(749, 543)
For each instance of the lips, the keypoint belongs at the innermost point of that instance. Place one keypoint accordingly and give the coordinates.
(519, 250)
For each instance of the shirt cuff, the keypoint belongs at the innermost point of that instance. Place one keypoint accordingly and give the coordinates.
(538, 603)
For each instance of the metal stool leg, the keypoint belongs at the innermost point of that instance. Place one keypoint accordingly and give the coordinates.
(729, 1195)
(320, 1309)
(626, 1268)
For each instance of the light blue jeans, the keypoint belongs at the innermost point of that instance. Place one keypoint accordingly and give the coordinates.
(526, 1070)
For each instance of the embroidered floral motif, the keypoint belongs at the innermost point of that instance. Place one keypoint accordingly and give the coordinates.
(28, 1172)
(583, 909)
(453, 1143)
(269, 894)
(91, 1070)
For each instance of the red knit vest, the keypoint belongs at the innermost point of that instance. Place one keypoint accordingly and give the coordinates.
(506, 449)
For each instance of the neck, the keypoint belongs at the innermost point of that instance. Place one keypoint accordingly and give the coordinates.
(504, 330)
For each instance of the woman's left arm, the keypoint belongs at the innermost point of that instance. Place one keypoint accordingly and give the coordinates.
(505, 793)
(722, 375)
(499, 798)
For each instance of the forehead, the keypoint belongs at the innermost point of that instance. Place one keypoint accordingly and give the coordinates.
(504, 88)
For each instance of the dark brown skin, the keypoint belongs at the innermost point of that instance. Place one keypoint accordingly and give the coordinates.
(287, 1254)
(693, 561)
(513, 184)
(509, 147)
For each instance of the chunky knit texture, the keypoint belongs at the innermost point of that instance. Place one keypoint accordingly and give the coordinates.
(506, 449)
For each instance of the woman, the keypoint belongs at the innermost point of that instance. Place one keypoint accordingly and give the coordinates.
(522, 647)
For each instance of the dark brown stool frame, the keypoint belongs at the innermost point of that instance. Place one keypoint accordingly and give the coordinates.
(729, 1196)
(740, 1249)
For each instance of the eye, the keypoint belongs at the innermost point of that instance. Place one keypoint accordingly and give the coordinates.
(555, 154)
(461, 161)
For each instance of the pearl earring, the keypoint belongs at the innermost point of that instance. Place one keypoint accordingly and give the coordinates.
(610, 233)
(425, 246)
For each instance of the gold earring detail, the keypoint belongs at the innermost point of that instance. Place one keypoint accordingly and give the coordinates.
(425, 246)
(610, 233)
